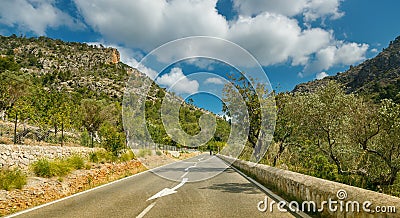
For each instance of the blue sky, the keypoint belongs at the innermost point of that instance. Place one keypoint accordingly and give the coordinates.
(293, 40)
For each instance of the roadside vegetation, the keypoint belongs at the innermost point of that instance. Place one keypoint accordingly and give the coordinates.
(341, 137)
(12, 179)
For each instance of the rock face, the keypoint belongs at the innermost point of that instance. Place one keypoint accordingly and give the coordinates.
(378, 77)
(20, 156)
(115, 58)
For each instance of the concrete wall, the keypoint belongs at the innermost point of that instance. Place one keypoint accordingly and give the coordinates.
(21, 156)
(295, 186)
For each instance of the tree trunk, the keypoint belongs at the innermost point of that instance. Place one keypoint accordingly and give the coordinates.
(15, 128)
(393, 175)
(91, 138)
(278, 155)
(55, 132)
(62, 133)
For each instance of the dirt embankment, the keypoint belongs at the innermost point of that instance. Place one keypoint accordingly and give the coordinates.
(40, 190)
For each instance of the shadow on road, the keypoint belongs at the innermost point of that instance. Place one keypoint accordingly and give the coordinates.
(245, 188)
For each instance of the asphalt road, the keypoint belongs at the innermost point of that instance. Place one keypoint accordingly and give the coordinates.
(203, 186)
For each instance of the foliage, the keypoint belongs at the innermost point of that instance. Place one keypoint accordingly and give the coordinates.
(251, 107)
(144, 152)
(127, 156)
(339, 136)
(112, 139)
(59, 167)
(12, 179)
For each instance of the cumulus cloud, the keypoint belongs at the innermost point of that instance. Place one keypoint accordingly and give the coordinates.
(35, 15)
(147, 24)
(309, 9)
(268, 29)
(341, 54)
(321, 9)
(214, 80)
(321, 75)
(178, 82)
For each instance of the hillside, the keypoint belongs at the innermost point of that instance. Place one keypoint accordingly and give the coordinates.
(70, 66)
(53, 84)
(378, 78)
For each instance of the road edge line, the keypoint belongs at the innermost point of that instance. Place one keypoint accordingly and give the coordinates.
(275, 197)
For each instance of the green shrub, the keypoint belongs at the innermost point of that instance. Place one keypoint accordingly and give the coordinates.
(158, 152)
(43, 168)
(127, 156)
(59, 167)
(12, 179)
(102, 157)
(93, 157)
(85, 139)
(76, 162)
(144, 152)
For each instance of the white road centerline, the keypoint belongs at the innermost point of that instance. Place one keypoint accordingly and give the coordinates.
(148, 208)
(168, 191)
(184, 174)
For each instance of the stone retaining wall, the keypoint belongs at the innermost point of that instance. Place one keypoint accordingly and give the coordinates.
(20, 156)
(299, 187)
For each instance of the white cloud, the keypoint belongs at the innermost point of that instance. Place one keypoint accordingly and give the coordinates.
(147, 24)
(214, 80)
(321, 75)
(35, 15)
(309, 9)
(178, 82)
(374, 50)
(256, 7)
(341, 54)
(322, 8)
(267, 29)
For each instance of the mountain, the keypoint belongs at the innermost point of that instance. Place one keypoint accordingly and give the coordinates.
(377, 78)
(87, 69)
(51, 83)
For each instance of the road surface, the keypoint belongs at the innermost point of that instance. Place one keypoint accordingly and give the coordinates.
(186, 193)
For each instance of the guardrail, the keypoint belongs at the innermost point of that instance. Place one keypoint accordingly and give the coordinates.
(320, 197)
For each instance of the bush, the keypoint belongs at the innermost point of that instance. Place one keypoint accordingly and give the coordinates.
(85, 139)
(12, 179)
(127, 156)
(102, 157)
(144, 152)
(76, 162)
(158, 152)
(59, 167)
(93, 157)
(112, 139)
(43, 168)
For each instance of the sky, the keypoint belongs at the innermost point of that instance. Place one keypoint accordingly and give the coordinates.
(293, 41)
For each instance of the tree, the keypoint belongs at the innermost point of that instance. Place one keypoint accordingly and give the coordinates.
(322, 117)
(12, 87)
(93, 114)
(252, 106)
(286, 125)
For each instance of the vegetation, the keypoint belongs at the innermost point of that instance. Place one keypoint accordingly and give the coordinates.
(12, 179)
(338, 136)
(64, 87)
(60, 167)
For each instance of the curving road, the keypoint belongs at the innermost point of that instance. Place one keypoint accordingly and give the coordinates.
(184, 194)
